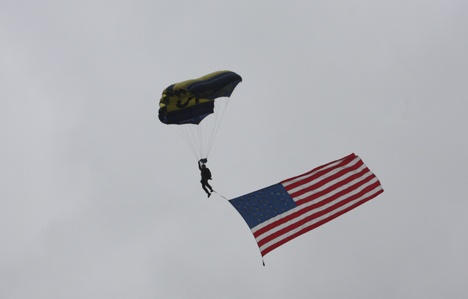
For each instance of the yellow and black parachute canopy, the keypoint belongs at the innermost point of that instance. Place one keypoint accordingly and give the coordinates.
(189, 102)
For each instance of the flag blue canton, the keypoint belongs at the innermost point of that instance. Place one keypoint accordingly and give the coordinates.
(264, 204)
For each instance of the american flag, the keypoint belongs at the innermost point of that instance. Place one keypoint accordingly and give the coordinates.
(284, 211)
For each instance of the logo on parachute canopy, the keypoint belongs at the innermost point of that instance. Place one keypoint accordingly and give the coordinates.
(189, 102)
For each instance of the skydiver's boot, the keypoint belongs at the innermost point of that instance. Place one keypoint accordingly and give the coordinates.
(209, 194)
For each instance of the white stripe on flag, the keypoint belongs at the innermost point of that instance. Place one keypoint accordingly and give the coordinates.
(331, 183)
(315, 220)
(289, 182)
(317, 210)
(317, 200)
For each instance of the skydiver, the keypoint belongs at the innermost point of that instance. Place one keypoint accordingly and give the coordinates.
(205, 176)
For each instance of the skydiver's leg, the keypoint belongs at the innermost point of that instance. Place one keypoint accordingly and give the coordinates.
(208, 185)
(203, 183)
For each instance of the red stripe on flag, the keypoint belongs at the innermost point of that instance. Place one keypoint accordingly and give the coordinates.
(326, 200)
(345, 182)
(309, 228)
(350, 156)
(319, 172)
(318, 214)
(351, 181)
(328, 180)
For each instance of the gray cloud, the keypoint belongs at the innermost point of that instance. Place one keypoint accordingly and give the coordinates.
(100, 200)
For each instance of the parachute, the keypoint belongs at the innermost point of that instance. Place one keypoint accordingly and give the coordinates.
(196, 108)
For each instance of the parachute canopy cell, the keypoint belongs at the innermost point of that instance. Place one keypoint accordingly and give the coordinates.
(189, 102)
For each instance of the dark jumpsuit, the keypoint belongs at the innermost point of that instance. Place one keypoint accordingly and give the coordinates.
(205, 176)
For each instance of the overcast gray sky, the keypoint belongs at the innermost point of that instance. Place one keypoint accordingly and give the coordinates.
(100, 200)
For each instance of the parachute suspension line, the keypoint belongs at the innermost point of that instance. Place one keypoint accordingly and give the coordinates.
(186, 135)
(198, 135)
(185, 131)
(192, 134)
(202, 131)
(205, 130)
(220, 106)
(201, 137)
